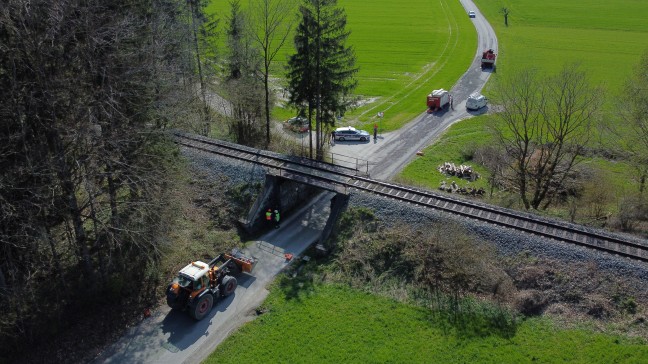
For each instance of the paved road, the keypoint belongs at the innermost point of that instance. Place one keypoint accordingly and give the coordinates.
(394, 150)
(173, 337)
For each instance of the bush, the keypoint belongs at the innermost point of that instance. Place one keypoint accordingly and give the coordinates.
(531, 302)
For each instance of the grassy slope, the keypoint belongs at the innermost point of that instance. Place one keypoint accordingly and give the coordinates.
(404, 50)
(337, 325)
(606, 38)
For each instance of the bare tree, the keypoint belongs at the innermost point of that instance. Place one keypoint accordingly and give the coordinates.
(631, 134)
(202, 27)
(270, 29)
(544, 127)
(505, 12)
(242, 84)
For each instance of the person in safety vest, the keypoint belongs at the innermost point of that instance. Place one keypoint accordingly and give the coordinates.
(277, 217)
(269, 215)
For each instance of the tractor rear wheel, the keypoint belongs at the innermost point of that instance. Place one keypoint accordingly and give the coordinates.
(202, 307)
(228, 286)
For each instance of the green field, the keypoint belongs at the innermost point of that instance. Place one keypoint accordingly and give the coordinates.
(330, 324)
(456, 146)
(405, 49)
(605, 38)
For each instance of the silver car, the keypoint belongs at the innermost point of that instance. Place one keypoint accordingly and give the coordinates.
(350, 133)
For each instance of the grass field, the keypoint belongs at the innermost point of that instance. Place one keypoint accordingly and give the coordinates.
(456, 146)
(330, 324)
(404, 49)
(606, 38)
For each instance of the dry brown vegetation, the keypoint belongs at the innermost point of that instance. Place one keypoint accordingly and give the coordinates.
(402, 261)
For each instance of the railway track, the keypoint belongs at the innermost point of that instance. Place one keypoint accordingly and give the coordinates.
(346, 180)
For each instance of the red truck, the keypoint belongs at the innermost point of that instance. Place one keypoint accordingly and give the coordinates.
(437, 100)
(488, 59)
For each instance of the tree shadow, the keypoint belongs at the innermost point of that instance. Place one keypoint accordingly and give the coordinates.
(468, 320)
(294, 288)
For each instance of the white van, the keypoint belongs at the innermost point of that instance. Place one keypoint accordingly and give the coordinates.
(476, 101)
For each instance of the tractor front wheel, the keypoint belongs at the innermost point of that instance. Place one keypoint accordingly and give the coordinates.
(177, 300)
(202, 307)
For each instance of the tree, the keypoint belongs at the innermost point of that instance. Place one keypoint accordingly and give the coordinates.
(242, 84)
(202, 28)
(272, 29)
(632, 132)
(505, 12)
(321, 72)
(544, 126)
(85, 88)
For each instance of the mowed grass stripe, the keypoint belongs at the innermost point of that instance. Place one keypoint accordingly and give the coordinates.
(605, 37)
(445, 66)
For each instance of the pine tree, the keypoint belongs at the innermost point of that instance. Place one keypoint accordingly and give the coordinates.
(321, 72)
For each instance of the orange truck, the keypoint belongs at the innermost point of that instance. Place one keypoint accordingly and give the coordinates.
(199, 284)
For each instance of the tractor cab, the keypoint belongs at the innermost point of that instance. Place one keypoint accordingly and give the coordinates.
(193, 276)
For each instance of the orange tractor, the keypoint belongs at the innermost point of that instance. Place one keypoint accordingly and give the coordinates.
(199, 284)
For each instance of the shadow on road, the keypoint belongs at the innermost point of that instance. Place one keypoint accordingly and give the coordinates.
(481, 111)
(352, 142)
(184, 331)
(245, 280)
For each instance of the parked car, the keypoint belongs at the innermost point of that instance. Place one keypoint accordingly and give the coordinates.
(476, 101)
(351, 133)
(297, 124)
(471, 14)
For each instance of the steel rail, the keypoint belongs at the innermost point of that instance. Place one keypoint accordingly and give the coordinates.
(321, 173)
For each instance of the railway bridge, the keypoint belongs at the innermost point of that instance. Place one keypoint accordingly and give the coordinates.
(291, 180)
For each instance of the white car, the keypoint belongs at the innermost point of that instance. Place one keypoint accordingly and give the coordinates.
(351, 133)
(476, 101)
(471, 14)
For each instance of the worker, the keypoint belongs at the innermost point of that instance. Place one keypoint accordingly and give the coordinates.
(269, 215)
(277, 218)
